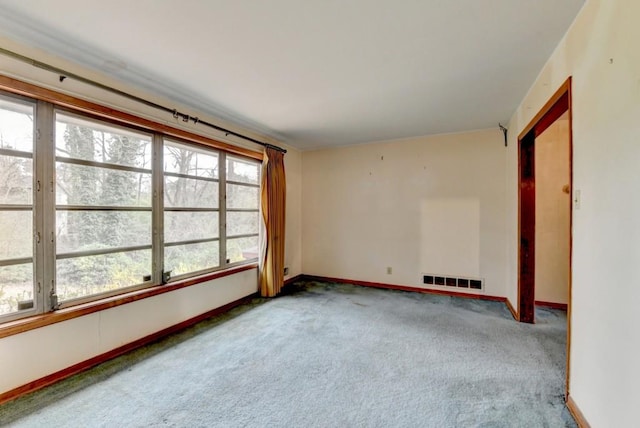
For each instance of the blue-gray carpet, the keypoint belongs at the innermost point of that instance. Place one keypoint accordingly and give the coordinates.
(327, 355)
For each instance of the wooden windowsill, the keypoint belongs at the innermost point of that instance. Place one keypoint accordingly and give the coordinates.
(30, 323)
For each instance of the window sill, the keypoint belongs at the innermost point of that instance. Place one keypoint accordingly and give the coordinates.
(25, 324)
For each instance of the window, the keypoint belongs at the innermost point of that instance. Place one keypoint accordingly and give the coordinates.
(16, 205)
(191, 209)
(103, 207)
(243, 199)
(97, 208)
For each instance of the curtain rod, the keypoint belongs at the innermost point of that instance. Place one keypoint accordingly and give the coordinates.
(175, 113)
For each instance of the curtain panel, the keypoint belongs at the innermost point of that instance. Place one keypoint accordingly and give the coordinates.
(273, 213)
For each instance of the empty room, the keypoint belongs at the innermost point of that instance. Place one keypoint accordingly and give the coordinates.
(292, 214)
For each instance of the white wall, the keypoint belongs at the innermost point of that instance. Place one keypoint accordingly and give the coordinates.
(40, 352)
(423, 205)
(553, 211)
(79, 339)
(293, 214)
(601, 52)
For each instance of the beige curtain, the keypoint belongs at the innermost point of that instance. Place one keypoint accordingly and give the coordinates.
(273, 207)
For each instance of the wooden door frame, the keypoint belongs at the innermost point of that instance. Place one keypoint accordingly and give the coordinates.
(557, 105)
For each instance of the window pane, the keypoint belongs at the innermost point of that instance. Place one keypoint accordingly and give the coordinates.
(16, 285)
(91, 230)
(181, 259)
(94, 141)
(84, 276)
(16, 125)
(185, 226)
(239, 196)
(184, 159)
(242, 223)
(16, 232)
(242, 170)
(16, 180)
(85, 185)
(241, 249)
(190, 193)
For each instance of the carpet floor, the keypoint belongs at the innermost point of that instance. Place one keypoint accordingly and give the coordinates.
(327, 355)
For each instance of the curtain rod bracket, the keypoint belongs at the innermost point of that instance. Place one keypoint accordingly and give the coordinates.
(504, 131)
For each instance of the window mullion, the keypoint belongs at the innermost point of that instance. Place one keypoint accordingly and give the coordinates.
(45, 254)
(222, 216)
(157, 174)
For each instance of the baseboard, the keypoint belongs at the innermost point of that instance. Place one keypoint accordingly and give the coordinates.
(561, 306)
(512, 310)
(293, 279)
(99, 359)
(576, 413)
(405, 288)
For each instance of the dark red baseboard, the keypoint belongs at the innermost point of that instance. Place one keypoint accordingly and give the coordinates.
(562, 306)
(404, 288)
(87, 364)
(293, 279)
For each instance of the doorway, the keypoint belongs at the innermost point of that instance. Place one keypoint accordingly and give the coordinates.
(556, 109)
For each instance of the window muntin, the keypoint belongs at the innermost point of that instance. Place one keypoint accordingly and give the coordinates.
(17, 290)
(103, 207)
(125, 207)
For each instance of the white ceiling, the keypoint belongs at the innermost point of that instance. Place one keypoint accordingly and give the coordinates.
(317, 72)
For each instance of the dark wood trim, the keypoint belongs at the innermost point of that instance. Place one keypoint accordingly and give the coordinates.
(526, 228)
(293, 279)
(554, 113)
(287, 287)
(561, 101)
(19, 87)
(564, 88)
(569, 88)
(99, 359)
(552, 305)
(31, 323)
(513, 311)
(577, 413)
(404, 288)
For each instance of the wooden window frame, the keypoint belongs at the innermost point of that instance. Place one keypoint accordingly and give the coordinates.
(26, 321)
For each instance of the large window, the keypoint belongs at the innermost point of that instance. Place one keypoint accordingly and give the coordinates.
(103, 207)
(96, 208)
(16, 205)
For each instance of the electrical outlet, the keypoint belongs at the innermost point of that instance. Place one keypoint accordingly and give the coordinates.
(286, 271)
(389, 270)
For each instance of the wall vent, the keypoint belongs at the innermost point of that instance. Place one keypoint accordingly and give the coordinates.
(449, 281)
